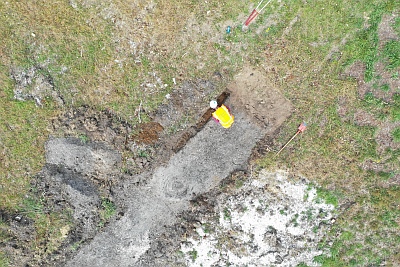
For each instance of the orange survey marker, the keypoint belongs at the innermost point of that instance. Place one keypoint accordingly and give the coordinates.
(255, 12)
(301, 129)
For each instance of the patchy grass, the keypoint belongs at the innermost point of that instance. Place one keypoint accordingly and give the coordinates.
(23, 133)
(109, 60)
(51, 228)
(3, 260)
(107, 211)
(391, 52)
(333, 149)
(353, 248)
(327, 196)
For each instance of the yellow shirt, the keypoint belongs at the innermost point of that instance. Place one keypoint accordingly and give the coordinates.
(224, 117)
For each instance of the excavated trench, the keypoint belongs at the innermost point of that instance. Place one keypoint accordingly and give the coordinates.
(193, 130)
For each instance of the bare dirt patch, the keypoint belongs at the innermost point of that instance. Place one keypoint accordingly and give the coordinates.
(252, 92)
(149, 133)
(92, 125)
(385, 29)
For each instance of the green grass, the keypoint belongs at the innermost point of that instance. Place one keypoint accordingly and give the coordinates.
(32, 207)
(3, 260)
(395, 108)
(329, 197)
(193, 254)
(107, 211)
(396, 134)
(227, 214)
(391, 52)
(23, 132)
(386, 175)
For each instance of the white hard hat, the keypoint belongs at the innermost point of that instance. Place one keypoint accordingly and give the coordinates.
(213, 104)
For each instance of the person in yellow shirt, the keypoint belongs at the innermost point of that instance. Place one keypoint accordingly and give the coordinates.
(222, 114)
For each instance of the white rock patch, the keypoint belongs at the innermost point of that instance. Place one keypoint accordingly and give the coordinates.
(271, 221)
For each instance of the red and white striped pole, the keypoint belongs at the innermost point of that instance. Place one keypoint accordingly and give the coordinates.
(255, 13)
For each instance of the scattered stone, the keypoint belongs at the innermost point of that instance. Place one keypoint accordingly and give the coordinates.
(18, 218)
(287, 234)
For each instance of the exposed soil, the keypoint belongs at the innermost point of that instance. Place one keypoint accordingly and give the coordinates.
(20, 228)
(253, 93)
(149, 133)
